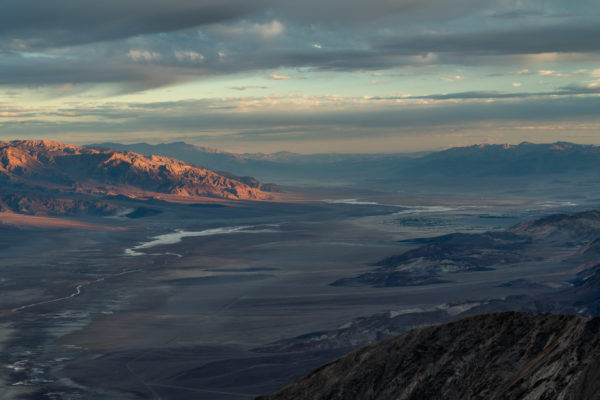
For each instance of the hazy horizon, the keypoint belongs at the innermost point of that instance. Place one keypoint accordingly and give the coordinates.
(218, 150)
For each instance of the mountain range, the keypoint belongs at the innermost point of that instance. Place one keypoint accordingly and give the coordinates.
(525, 159)
(281, 167)
(473, 162)
(45, 177)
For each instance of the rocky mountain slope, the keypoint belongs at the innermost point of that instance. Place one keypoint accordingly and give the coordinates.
(33, 170)
(492, 356)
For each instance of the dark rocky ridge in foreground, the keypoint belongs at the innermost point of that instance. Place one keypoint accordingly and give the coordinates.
(506, 355)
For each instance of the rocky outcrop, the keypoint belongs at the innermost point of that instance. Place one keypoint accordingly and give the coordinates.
(37, 204)
(492, 356)
(579, 227)
(443, 255)
(437, 258)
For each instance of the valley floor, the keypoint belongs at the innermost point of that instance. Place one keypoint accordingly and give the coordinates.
(96, 314)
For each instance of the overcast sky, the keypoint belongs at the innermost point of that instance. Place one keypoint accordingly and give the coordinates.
(305, 76)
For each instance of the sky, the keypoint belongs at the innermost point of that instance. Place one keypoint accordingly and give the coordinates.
(305, 76)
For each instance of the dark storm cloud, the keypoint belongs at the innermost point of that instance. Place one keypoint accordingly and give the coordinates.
(527, 13)
(360, 12)
(83, 75)
(42, 23)
(159, 62)
(521, 40)
(45, 23)
(49, 71)
(141, 44)
(154, 65)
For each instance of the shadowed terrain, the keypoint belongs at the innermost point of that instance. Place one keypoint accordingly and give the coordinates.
(440, 257)
(492, 356)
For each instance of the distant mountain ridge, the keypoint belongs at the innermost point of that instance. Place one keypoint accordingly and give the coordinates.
(478, 161)
(38, 172)
(281, 167)
(525, 159)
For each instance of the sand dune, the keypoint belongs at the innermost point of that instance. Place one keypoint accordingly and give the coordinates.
(32, 221)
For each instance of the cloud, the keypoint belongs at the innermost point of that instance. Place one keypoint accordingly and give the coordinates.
(518, 13)
(452, 78)
(564, 91)
(143, 55)
(188, 55)
(279, 77)
(553, 73)
(38, 23)
(131, 72)
(589, 88)
(348, 123)
(269, 30)
(359, 13)
(141, 44)
(250, 87)
(61, 48)
(526, 13)
(517, 40)
(304, 112)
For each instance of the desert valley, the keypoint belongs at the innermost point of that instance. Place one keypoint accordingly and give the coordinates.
(299, 200)
(140, 276)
